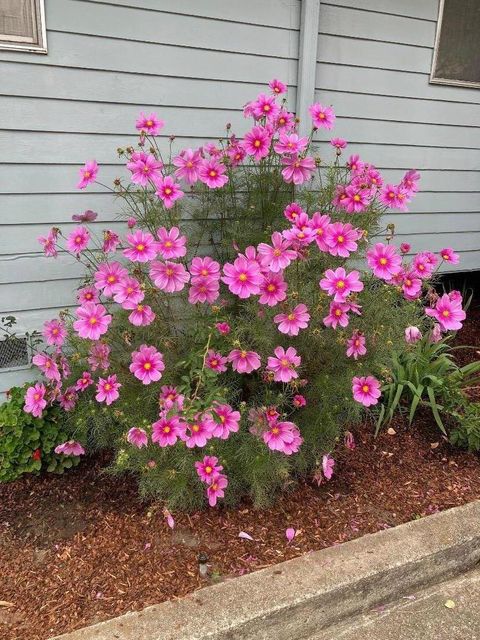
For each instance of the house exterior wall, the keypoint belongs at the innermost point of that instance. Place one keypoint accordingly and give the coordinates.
(196, 64)
(373, 65)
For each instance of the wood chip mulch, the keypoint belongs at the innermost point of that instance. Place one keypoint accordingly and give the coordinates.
(81, 548)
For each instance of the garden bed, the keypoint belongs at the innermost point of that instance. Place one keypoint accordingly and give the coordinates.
(80, 548)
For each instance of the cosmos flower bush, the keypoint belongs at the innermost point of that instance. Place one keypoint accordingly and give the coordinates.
(244, 315)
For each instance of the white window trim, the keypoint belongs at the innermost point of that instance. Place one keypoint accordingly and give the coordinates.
(16, 44)
(434, 79)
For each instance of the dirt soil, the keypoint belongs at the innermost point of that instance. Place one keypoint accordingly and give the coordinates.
(81, 548)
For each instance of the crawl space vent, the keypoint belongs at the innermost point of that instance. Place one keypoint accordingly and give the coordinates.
(14, 353)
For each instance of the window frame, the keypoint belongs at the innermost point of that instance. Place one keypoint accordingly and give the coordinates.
(21, 45)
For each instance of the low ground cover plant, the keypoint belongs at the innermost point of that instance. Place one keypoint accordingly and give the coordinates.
(246, 315)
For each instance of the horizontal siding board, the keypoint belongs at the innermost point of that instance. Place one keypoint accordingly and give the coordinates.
(25, 296)
(9, 379)
(397, 109)
(341, 21)
(368, 53)
(42, 81)
(280, 13)
(468, 241)
(421, 9)
(39, 268)
(375, 81)
(69, 50)
(433, 222)
(136, 24)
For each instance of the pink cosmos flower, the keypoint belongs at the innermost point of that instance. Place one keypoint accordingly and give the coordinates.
(409, 181)
(243, 277)
(169, 276)
(107, 389)
(338, 143)
(128, 290)
(356, 345)
(423, 265)
(244, 361)
(355, 164)
(166, 431)
(285, 120)
(277, 86)
(203, 290)
(88, 174)
(394, 196)
(110, 241)
(405, 247)
(147, 364)
(169, 398)
(215, 361)
(291, 323)
(272, 289)
(328, 463)
(143, 247)
(98, 358)
(319, 225)
(145, 170)
(47, 366)
(341, 239)
(142, 314)
(322, 117)
(384, 261)
(84, 382)
(290, 143)
(337, 315)
(229, 421)
(292, 211)
(68, 399)
(449, 256)
(49, 244)
(282, 436)
(212, 173)
(93, 321)
(171, 244)
(78, 240)
(188, 163)
(299, 401)
(235, 153)
(208, 469)
(265, 107)
(366, 390)
(283, 364)
(205, 267)
(436, 333)
(138, 437)
(197, 433)
(215, 490)
(448, 312)
(70, 448)
(411, 286)
(35, 401)
(299, 236)
(131, 222)
(106, 277)
(412, 335)
(278, 256)
(340, 284)
(86, 216)
(297, 169)
(54, 332)
(168, 191)
(223, 328)
(356, 199)
(150, 125)
(257, 142)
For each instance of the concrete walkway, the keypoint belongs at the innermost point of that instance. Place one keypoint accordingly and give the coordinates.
(423, 615)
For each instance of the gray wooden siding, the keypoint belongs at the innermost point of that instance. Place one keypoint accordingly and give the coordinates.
(194, 63)
(373, 66)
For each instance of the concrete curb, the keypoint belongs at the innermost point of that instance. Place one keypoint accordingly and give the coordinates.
(298, 598)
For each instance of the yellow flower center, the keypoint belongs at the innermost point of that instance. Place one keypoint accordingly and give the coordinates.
(139, 307)
(340, 239)
(356, 197)
(93, 321)
(169, 272)
(140, 247)
(275, 430)
(109, 279)
(271, 287)
(208, 469)
(243, 354)
(168, 244)
(242, 277)
(340, 284)
(36, 396)
(108, 386)
(257, 143)
(383, 261)
(87, 174)
(212, 173)
(445, 313)
(365, 388)
(338, 312)
(54, 331)
(196, 428)
(168, 191)
(166, 429)
(284, 362)
(147, 366)
(149, 123)
(291, 316)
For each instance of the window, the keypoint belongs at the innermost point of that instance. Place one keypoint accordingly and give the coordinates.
(22, 25)
(456, 58)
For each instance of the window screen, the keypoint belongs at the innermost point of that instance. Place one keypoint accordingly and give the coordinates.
(457, 47)
(22, 25)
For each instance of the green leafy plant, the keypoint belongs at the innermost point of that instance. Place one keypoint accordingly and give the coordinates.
(27, 443)
(427, 375)
(467, 430)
